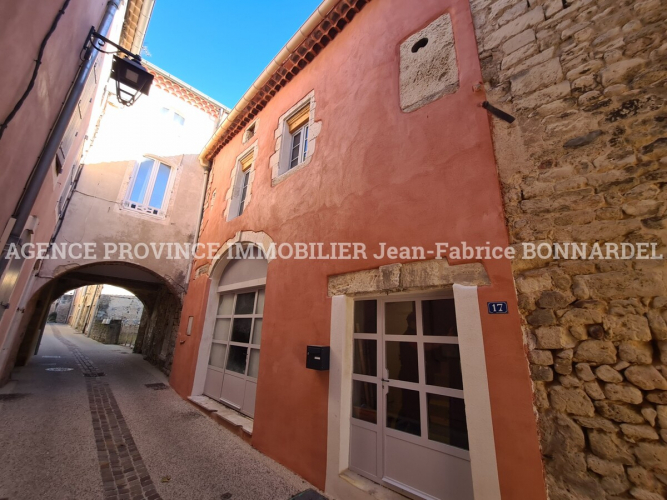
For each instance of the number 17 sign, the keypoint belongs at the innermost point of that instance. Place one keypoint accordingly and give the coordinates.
(497, 307)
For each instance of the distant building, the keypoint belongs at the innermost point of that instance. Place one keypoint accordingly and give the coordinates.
(60, 309)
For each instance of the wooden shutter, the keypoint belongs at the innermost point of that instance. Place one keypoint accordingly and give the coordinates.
(246, 161)
(298, 119)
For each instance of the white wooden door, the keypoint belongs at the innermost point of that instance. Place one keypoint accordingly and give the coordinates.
(408, 413)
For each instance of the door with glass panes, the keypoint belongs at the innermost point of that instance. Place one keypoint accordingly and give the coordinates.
(234, 359)
(408, 424)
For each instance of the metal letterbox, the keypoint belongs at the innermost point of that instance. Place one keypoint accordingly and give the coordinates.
(317, 357)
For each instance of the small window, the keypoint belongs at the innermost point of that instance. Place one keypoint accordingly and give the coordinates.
(148, 187)
(298, 130)
(250, 132)
(242, 185)
(172, 116)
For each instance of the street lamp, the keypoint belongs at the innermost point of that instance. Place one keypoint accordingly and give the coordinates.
(132, 79)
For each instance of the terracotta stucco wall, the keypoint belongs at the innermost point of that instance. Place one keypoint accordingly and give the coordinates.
(378, 175)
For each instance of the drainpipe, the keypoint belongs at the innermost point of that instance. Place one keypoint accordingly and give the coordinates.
(41, 169)
(207, 169)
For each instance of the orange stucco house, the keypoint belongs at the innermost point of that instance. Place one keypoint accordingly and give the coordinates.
(344, 142)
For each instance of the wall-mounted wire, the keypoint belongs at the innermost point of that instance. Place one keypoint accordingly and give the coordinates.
(38, 63)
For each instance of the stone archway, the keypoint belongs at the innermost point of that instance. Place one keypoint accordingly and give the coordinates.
(159, 322)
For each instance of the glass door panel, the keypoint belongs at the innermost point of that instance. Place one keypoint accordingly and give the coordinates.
(447, 420)
(237, 358)
(402, 361)
(217, 356)
(365, 357)
(400, 318)
(364, 401)
(245, 303)
(241, 330)
(221, 330)
(225, 305)
(403, 413)
(443, 365)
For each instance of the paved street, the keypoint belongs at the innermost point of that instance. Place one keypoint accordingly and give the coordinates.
(64, 435)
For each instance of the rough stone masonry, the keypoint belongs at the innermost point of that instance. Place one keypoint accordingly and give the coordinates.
(586, 161)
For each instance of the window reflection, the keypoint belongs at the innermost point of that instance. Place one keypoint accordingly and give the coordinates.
(365, 316)
(403, 410)
(443, 365)
(364, 401)
(400, 318)
(447, 420)
(365, 357)
(439, 317)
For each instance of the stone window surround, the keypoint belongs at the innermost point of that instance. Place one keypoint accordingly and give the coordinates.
(280, 157)
(172, 186)
(234, 177)
(412, 277)
(245, 138)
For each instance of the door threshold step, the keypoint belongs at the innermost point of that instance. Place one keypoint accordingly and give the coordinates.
(229, 418)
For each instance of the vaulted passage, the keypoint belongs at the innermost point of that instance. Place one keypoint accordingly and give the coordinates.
(157, 329)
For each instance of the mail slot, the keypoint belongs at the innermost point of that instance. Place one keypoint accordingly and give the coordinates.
(317, 357)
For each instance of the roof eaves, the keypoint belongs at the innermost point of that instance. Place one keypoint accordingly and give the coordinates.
(320, 28)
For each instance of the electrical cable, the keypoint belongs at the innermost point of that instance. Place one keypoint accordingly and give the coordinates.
(38, 62)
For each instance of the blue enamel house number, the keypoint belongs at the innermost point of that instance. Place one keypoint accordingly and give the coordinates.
(497, 307)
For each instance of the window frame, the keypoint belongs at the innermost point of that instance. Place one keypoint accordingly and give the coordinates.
(300, 118)
(303, 146)
(240, 188)
(145, 207)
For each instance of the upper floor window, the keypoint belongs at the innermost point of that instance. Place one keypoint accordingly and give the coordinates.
(172, 115)
(298, 131)
(250, 132)
(295, 139)
(241, 184)
(149, 186)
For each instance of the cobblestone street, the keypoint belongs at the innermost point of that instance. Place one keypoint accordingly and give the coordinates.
(68, 433)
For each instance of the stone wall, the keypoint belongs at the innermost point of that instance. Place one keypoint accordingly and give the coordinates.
(586, 161)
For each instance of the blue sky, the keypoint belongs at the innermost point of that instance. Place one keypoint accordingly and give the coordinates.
(221, 46)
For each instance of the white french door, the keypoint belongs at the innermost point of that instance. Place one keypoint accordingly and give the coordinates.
(408, 424)
(233, 364)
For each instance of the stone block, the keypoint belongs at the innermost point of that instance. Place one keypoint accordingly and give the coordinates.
(540, 357)
(595, 352)
(619, 412)
(636, 432)
(554, 337)
(636, 352)
(608, 446)
(646, 377)
(541, 373)
(573, 401)
(584, 372)
(537, 77)
(652, 456)
(608, 374)
(428, 67)
(621, 72)
(622, 284)
(513, 28)
(623, 392)
(594, 390)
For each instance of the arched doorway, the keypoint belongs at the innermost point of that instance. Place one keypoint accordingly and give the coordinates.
(230, 346)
